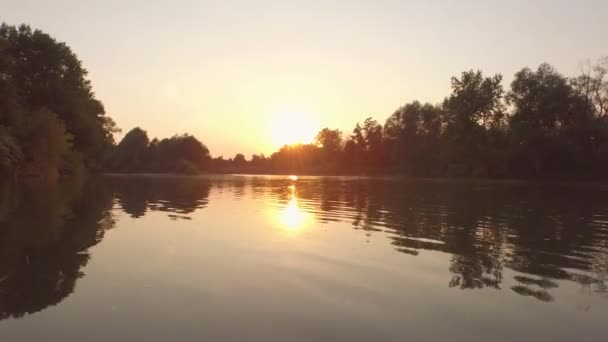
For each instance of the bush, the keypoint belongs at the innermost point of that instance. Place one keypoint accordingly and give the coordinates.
(186, 167)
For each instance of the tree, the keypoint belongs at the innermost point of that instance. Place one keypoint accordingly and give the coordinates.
(475, 105)
(259, 162)
(330, 141)
(131, 154)
(354, 150)
(11, 154)
(11, 115)
(219, 164)
(298, 158)
(180, 153)
(475, 99)
(592, 83)
(46, 142)
(372, 133)
(239, 160)
(375, 152)
(412, 135)
(187, 147)
(43, 87)
(549, 124)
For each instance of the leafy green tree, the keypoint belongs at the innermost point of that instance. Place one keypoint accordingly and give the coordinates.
(44, 88)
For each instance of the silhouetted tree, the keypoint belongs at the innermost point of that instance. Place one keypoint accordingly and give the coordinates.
(50, 120)
(178, 154)
(546, 125)
(550, 125)
(475, 105)
(330, 140)
(239, 160)
(331, 145)
(259, 163)
(592, 83)
(185, 150)
(132, 153)
(412, 136)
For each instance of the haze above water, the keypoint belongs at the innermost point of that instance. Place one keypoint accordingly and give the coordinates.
(248, 258)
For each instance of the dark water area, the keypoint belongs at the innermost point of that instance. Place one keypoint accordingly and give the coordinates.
(270, 258)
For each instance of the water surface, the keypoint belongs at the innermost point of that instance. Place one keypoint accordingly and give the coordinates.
(250, 258)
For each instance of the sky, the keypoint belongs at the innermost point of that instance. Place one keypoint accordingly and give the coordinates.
(248, 76)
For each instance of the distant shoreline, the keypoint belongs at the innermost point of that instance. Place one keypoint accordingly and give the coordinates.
(594, 183)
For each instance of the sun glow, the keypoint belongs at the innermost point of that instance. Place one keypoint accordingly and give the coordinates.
(289, 128)
(292, 217)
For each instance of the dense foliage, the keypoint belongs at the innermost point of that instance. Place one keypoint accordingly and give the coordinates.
(50, 120)
(179, 154)
(545, 126)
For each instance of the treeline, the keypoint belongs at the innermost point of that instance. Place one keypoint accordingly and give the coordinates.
(50, 121)
(545, 126)
(137, 154)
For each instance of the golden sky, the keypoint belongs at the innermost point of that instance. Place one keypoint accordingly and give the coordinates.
(247, 76)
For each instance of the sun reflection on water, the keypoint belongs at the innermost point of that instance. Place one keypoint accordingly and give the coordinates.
(292, 217)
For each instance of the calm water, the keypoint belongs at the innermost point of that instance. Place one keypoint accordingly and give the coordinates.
(240, 258)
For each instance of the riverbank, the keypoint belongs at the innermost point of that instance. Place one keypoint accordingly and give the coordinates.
(578, 183)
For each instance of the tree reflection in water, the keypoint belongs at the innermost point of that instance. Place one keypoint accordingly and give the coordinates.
(47, 231)
(44, 241)
(543, 233)
(176, 196)
(535, 235)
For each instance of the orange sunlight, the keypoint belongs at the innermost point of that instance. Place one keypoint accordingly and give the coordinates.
(289, 128)
(292, 217)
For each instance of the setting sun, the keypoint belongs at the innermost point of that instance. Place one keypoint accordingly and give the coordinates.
(348, 170)
(290, 128)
